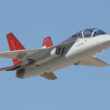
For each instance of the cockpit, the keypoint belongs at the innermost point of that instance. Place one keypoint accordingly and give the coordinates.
(90, 32)
(86, 33)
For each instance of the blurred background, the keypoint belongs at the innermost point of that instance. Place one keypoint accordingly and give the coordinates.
(77, 87)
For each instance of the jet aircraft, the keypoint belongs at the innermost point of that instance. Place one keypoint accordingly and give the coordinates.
(79, 49)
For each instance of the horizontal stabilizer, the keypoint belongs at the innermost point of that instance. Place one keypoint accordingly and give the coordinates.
(10, 68)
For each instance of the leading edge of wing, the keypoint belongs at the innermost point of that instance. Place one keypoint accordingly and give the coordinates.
(94, 62)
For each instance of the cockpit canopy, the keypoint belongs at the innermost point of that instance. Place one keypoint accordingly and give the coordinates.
(90, 32)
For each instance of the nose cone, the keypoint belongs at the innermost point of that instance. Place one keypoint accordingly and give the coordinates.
(107, 40)
(104, 38)
(108, 35)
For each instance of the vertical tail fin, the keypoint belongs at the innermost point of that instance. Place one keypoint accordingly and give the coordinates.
(14, 44)
(47, 42)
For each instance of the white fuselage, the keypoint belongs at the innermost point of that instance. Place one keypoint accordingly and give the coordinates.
(82, 48)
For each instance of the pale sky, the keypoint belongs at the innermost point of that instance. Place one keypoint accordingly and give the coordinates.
(78, 88)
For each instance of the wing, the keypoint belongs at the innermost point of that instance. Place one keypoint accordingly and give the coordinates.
(13, 54)
(93, 61)
(26, 54)
(49, 76)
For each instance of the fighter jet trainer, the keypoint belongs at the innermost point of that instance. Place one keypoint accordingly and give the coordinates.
(79, 49)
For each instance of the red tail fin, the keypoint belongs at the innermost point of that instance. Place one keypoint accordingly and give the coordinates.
(47, 42)
(14, 44)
